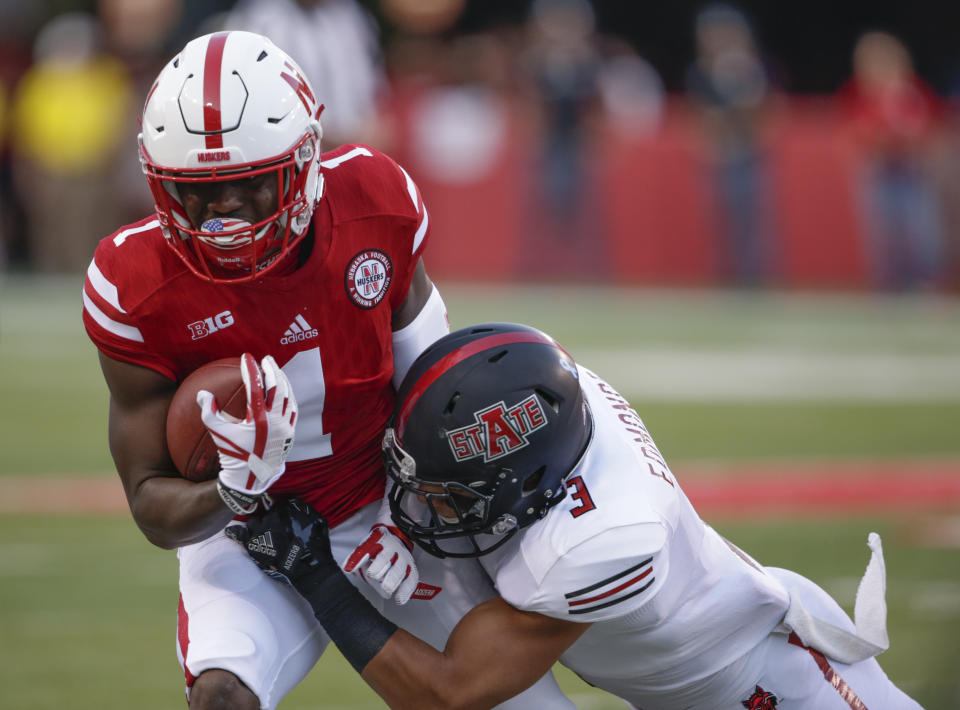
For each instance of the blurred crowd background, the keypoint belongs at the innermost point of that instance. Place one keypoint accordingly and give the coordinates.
(754, 145)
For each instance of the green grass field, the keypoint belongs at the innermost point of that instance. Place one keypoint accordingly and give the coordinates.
(87, 606)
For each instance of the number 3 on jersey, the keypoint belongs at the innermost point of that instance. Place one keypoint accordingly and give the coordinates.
(305, 372)
(581, 494)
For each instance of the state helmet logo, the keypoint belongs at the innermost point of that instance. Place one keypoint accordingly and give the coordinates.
(760, 700)
(497, 430)
(368, 277)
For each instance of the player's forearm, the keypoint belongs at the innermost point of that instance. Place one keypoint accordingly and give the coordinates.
(173, 512)
(406, 672)
(409, 674)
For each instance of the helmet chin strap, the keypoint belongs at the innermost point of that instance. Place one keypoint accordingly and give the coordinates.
(263, 231)
(302, 221)
(504, 524)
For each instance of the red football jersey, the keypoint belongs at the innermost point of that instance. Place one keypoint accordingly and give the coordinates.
(327, 324)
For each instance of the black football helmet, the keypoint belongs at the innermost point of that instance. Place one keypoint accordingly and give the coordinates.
(488, 423)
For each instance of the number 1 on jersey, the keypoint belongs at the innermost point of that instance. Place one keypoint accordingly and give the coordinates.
(305, 372)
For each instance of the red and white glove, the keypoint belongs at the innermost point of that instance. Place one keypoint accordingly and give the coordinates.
(252, 450)
(385, 561)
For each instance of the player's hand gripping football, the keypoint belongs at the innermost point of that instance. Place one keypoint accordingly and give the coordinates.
(290, 542)
(385, 560)
(253, 449)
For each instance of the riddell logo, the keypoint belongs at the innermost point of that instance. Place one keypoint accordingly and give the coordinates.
(425, 591)
(213, 156)
(297, 331)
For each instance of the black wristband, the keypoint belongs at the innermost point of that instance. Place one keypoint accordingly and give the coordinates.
(352, 623)
(237, 501)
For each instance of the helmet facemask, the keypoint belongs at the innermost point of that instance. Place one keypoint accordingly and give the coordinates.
(446, 518)
(228, 249)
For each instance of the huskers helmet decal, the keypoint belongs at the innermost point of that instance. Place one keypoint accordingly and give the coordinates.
(498, 430)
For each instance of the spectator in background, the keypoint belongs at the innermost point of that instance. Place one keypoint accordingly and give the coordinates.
(15, 55)
(460, 122)
(947, 169)
(141, 34)
(66, 126)
(563, 59)
(896, 119)
(336, 43)
(4, 227)
(730, 85)
(631, 90)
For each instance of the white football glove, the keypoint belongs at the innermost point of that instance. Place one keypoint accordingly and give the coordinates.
(385, 561)
(252, 450)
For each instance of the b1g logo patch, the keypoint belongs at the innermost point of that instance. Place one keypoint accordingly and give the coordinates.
(760, 700)
(368, 277)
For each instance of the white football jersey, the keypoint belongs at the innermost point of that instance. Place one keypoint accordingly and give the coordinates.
(671, 602)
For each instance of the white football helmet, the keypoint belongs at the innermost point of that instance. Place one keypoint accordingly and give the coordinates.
(232, 105)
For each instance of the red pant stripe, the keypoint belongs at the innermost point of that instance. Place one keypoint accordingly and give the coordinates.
(831, 676)
(183, 638)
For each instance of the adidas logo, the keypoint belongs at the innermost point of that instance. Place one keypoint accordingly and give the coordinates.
(297, 331)
(263, 544)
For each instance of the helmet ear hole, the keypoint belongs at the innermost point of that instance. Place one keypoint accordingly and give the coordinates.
(532, 481)
(451, 404)
(549, 398)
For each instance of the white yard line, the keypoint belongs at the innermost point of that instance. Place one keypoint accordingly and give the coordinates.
(775, 374)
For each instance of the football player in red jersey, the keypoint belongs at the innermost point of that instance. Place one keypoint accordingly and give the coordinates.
(311, 266)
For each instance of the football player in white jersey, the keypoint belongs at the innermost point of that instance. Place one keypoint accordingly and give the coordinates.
(502, 448)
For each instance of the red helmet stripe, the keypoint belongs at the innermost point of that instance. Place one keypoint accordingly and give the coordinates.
(212, 122)
(150, 95)
(458, 356)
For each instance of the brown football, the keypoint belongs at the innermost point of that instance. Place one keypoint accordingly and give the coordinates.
(190, 444)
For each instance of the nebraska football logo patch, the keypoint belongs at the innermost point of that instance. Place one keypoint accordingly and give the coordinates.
(760, 700)
(368, 277)
(498, 430)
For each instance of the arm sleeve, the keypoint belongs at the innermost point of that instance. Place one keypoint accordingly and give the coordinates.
(431, 324)
(607, 576)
